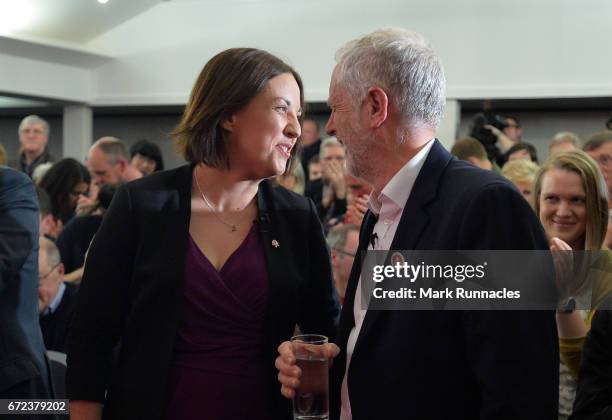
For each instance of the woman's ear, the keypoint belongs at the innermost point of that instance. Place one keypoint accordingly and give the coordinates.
(228, 123)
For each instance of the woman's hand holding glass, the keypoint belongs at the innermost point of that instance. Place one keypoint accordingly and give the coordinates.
(289, 373)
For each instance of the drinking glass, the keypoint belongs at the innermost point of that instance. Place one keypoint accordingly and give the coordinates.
(311, 399)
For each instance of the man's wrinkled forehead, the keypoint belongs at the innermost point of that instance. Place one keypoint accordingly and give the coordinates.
(333, 86)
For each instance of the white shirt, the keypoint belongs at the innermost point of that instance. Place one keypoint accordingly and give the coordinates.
(389, 205)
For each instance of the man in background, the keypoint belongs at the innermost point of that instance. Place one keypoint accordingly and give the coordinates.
(311, 142)
(108, 164)
(33, 139)
(563, 141)
(513, 129)
(56, 299)
(315, 168)
(471, 150)
(50, 226)
(599, 147)
(343, 241)
(329, 192)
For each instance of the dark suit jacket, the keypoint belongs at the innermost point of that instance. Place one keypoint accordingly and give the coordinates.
(75, 238)
(55, 326)
(132, 283)
(314, 191)
(452, 364)
(22, 352)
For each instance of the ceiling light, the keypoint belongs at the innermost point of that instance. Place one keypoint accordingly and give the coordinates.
(16, 16)
(102, 1)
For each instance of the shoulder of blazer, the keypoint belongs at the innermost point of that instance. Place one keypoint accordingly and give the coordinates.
(16, 188)
(169, 189)
(464, 178)
(177, 178)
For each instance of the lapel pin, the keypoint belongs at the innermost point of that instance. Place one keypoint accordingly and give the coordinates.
(397, 258)
(275, 243)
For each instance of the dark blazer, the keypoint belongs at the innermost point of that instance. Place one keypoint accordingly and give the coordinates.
(131, 290)
(55, 326)
(314, 191)
(594, 392)
(22, 352)
(73, 242)
(452, 364)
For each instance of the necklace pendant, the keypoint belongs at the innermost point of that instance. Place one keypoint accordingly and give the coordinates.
(234, 228)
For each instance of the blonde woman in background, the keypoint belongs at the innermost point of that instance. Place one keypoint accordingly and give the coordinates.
(294, 180)
(572, 204)
(522, 173)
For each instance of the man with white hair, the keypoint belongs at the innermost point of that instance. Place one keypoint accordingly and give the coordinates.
(33, 138)
(387, 95)
(56, 299)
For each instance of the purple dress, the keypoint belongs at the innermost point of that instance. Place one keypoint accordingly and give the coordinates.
(220, 368)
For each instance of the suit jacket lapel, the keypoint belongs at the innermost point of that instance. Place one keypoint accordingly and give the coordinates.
(414, 217)
(347, 320)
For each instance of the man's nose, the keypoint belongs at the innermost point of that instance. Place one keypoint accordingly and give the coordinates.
(330, 127)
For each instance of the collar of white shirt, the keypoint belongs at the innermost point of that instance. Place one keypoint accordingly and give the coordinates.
(398, 189)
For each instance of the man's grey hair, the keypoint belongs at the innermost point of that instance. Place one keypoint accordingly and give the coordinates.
(113, 149)
(336, 238)
(50, 249)
(329, 142)
(404, 65)
(565, 137)
(31, 120)
(597, 140)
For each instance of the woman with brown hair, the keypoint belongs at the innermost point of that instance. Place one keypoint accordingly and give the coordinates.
(202, 271)
(65, 182)
(572, 204)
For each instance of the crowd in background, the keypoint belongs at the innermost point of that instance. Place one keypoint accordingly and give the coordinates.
(569, 191)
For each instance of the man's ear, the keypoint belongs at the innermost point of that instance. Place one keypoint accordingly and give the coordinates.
(377, 103)
(334, 255)
(122, 165)
(47, 224)
(58, 226)
(61, 270)
(474, 161)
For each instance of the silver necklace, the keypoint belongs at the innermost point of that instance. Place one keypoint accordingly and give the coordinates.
(233, 226)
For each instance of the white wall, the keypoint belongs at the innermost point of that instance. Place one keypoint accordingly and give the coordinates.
(491, 48)
(49, 70)
(42, 79)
